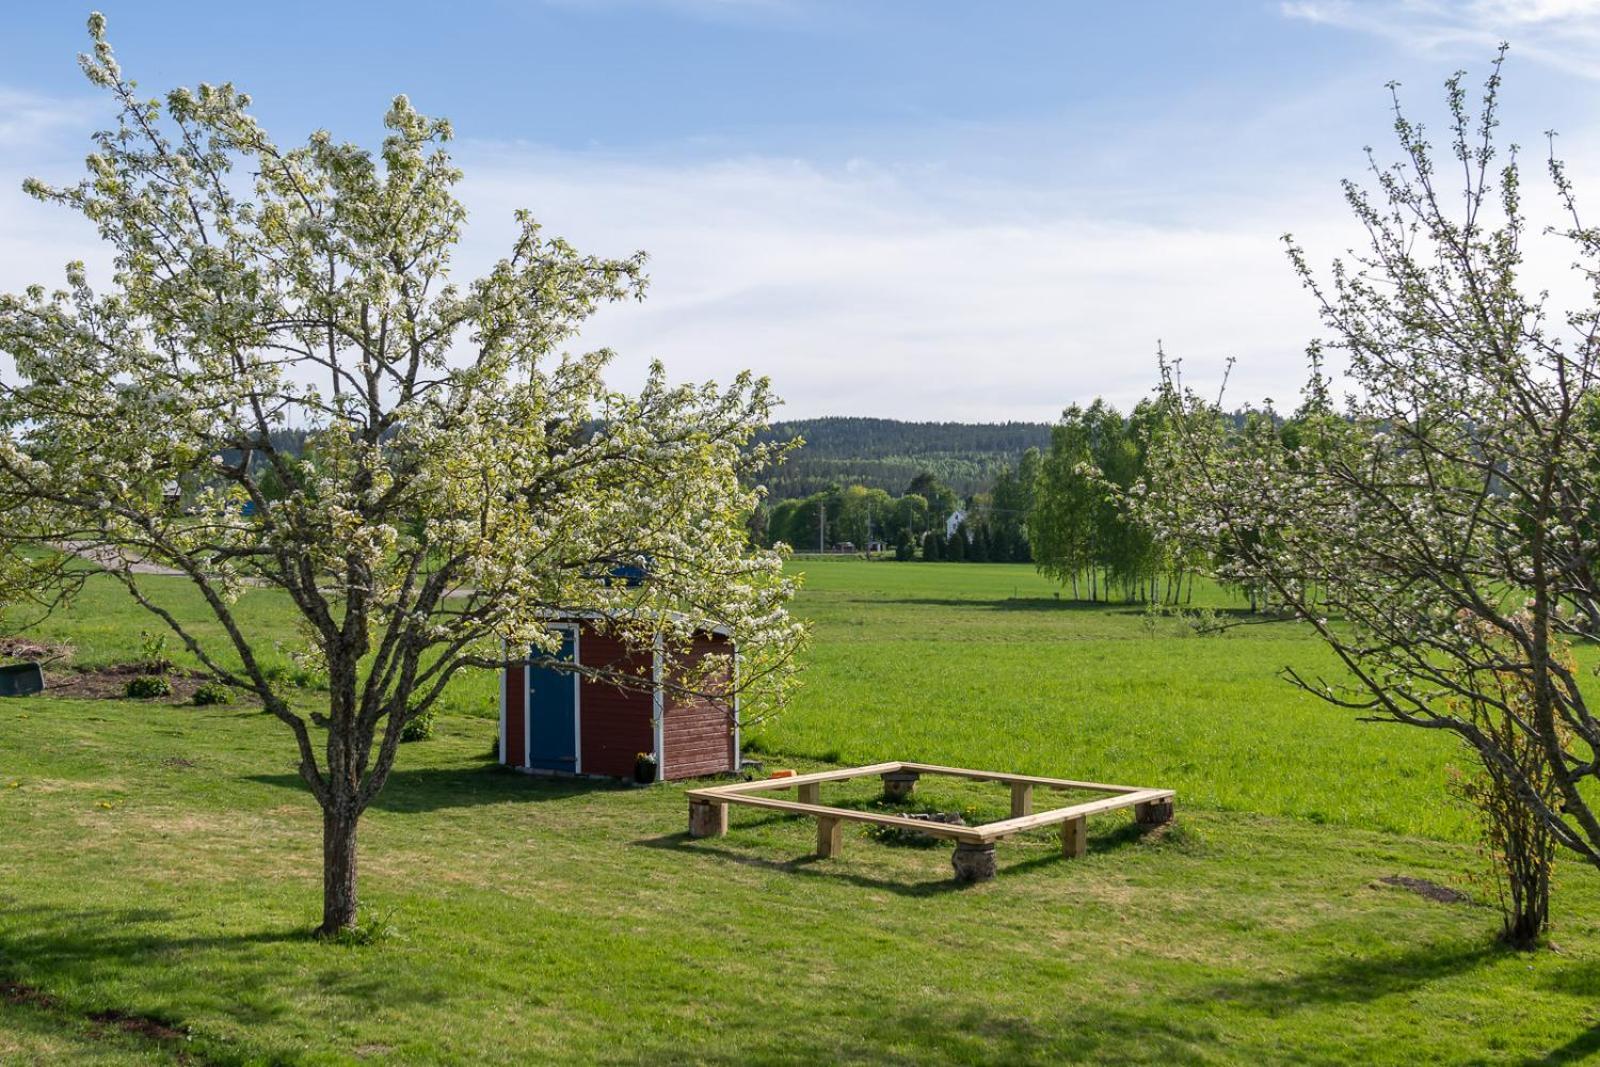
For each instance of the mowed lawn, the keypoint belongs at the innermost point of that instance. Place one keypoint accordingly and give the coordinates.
(159, 873)
(981, 665)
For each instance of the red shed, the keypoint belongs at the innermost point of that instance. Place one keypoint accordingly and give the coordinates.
(560, 721)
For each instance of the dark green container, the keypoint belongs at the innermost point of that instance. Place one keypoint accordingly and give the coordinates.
(21, 679)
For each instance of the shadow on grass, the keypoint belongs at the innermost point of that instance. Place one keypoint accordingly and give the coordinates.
(83, 948)
(1112, 840)
(437, 788)
(904, 1031)
(1354, 981)
(67, 935)
(806, 865)
(800, 865)
(1581, 1049)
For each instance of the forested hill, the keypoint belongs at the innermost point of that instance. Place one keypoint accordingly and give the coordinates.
(886, 454)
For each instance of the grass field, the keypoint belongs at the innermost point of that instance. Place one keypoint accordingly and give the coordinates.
(980, 666)
(159, 873)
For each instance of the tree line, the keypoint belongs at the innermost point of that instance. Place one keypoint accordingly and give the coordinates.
(889, 454)
(1061, 507)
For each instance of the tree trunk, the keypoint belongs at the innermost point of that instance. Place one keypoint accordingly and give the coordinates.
(1528, 915)
(338, 871)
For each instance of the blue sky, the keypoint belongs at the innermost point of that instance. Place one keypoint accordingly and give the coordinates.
(924, 210)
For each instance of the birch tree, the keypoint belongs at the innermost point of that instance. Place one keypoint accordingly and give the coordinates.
(468, 475)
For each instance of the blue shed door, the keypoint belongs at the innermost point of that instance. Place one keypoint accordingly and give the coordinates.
(553, 710)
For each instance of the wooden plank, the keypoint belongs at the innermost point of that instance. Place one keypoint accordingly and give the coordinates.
(932, 829)
(1021, 799)
(1075, 837)
(763, 784)
(1032, 779)
(846, 773)
(1007, 827)
(830, 836)
(1147, 801)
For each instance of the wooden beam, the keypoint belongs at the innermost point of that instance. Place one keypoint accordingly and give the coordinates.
(708, 807)
(1021, 799)
(1007, 827)
(1034, 779)
(830, 836)
(764, 784)
(1075, 837)
(932, 829)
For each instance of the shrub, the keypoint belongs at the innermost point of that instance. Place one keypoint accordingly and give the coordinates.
(153, 657)
(419, 727)
(1516, 843)
(285, 676)
(212, 693)
(144, 686)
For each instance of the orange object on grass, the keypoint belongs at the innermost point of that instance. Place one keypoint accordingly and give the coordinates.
(781, 774)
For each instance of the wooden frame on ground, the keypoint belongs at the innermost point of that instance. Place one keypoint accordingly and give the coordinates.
(974, 854)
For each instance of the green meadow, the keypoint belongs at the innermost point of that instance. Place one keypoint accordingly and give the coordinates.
(159, 872)
(981, 665)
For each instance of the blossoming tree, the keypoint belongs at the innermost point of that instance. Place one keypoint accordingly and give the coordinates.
(461, 475)
(1439, 527)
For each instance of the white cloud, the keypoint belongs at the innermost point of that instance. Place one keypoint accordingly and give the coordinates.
(28, 120)
(865, 291)
(43, 137)
(1565, 34)
(865, 288)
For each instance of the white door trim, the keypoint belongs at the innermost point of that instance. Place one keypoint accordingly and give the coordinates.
(577, 700)
(503, 672)
(658, 708)
(737, 740)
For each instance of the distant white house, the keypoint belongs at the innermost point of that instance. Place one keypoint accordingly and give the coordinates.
(956, 518)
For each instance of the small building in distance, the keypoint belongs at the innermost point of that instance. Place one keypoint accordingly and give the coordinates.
(597, 719)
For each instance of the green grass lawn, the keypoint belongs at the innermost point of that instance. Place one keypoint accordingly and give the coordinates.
(978, 665)
(161, 862)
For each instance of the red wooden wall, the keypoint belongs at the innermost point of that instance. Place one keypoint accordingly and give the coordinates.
(516, 721)
(698, 731)
(613, 721)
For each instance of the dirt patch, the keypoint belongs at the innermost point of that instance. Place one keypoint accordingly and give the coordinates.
(142, 1025)
(1441, 894)
(18, 649)
(101, 1023)
(111, 683)
(25, 995)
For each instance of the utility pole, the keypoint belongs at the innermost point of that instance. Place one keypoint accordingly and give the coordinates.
(869, 529)
(822, 526)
